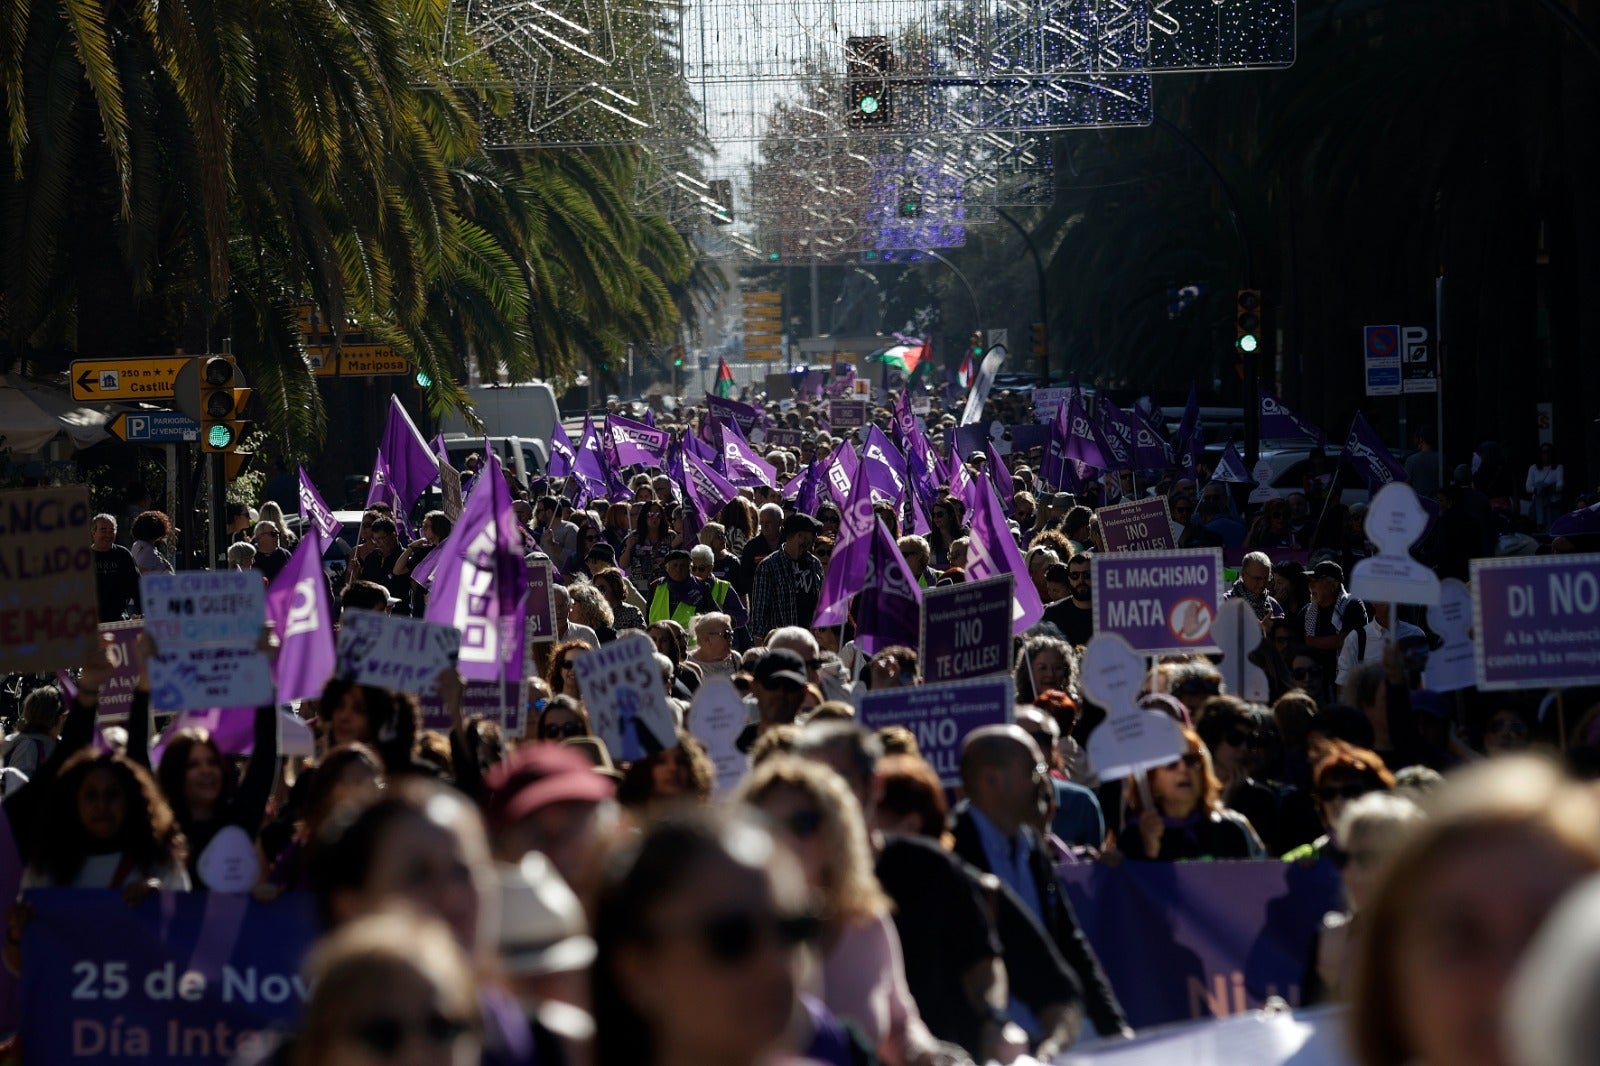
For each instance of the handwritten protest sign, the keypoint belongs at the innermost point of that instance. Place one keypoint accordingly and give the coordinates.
(450, 490)
(1536, 620)
(1161, 603)
(48, 607)
(181, 978)
(540, 607)
(716, 718)
(1141, 525)
(966, 629)
(205, 626)
(626, 698)
(1046, 402)
(405, 654)
(942, 715)
(1131, 739)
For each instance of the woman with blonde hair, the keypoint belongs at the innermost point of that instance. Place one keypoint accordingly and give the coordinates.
(863, 974)
(1187, 819)
(1456, 906)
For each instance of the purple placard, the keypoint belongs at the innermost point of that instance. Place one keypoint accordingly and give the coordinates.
(477, 697)
(966, 629)
(785, 438)
(1161, 603)
(1536, 620)
(116, 695)
(847, 414)
(1140, 526)
(942, 715)
(541, 609)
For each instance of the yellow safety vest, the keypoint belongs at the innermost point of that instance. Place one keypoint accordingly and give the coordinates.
(661, 610)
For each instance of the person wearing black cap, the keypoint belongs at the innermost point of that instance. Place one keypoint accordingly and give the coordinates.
(677, 595)
(1331, 615)
(778, 682)
(788, 582)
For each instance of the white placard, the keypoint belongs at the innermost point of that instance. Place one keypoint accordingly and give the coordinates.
(201, 608)
(716, 718)
(198, 679)
(1452, 665)
(1131, 739)
(1237, 631)
(626, 697)
(229, 863)
(405, 654)
(1395, 521)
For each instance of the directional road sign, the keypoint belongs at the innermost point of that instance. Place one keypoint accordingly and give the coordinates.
(125, 379)
(155, 427)
(357, 360)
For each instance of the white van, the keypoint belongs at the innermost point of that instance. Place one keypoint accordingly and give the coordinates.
(524, 457)
(526, 412)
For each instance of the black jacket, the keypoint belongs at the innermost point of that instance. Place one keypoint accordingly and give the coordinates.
(1100, 1002)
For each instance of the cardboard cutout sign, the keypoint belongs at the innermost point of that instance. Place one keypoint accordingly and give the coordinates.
(716, 718)
(1131, 739)
(1238, 633)
(404, 654)
(1395, 521)
(48, 607)
(627, 701)
(1453, 665)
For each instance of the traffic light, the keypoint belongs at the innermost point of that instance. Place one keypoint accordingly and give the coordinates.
(1041, 340)
(868, 63)
(911, 206)
(222, 401)
(423, 379)
(975, 344)
(1247, 320)
(677, 355)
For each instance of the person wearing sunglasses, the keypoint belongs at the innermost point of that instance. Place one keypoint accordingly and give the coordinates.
(1344, 773)
(1187, 820)
(394, 988)
(863, 979)
(1506, 732)
(713, 652)
(1074, 614)
(646, 548)
(560, 718)
(563, 676)
(945, 518)
(697, 924)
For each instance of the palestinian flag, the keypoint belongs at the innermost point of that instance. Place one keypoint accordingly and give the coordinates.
(964, 373)
(724, 386)
(904, 357)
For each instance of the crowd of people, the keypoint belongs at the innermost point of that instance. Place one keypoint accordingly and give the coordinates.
(534, 898)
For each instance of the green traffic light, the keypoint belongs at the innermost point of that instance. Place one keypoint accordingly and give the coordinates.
(423, 380)
(868, 105)
(772, 256)
(219, 436)
(1248, 343)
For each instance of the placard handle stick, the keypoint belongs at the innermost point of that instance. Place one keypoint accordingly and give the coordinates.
(1147, 800)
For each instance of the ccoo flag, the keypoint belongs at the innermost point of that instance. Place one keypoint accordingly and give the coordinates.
(1365, 451)
(481, 582)
(299, 609)
(1278, 422)
(316, 511)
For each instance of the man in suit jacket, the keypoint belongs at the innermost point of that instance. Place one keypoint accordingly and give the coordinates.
(1000, 768)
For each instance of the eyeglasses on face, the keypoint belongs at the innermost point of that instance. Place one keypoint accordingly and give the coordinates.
(567, 664)
(1305, 673)
(1241, 738)
(1077, 575)
(1190, 759)
(561, 730)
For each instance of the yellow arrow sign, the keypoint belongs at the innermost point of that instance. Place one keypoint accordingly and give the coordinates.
(357, 360)
(125, 379)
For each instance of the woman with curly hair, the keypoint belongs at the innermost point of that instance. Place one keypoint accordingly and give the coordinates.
(673, 776)
(108, 827)
(149, 529)
(563, 675)
(647, 546)
(389, 721)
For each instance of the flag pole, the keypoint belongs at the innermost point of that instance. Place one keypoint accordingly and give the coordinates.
(1333, 489)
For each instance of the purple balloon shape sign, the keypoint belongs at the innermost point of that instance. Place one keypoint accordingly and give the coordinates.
(1536, 620)
(1131, 739)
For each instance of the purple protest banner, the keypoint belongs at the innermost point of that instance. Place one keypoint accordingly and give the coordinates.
(636, 442)
(966, 629)
(1161, 603)
(848, 414)
(849, 563)
(540, 605)
(891, 603)
(485, 699)
(1536, 621)
(116, 695)
(1140, 525)
(1187, 940)
(316, 511)
(740, 414)
(300, 610)
(992, 551)
(941, 715)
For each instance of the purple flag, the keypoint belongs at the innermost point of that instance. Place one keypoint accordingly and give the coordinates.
(481, 581)
(422, 573)
(693, 443)
(842, 472)
(316, 511)
(706, 489)
(810, 493)
(1230, 468)
(635, 442)
(381, 490)
(1054, 467)
(1280, 423)
(741, 414)
(412, 464)
(920, 462)
(993, 551)
(742, 465)
(299, 608)
(649, 418)
(1082, 442)
(1365, 451)
(890, 609)
(1190, 425)
(562, 458)
(885, 467)
(439, 449)
(999, 475)
(1117, 426)
(914, 517)
(1150, 449)
(589, 465)
(963, 489)
(848, 566)
(232, 728)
